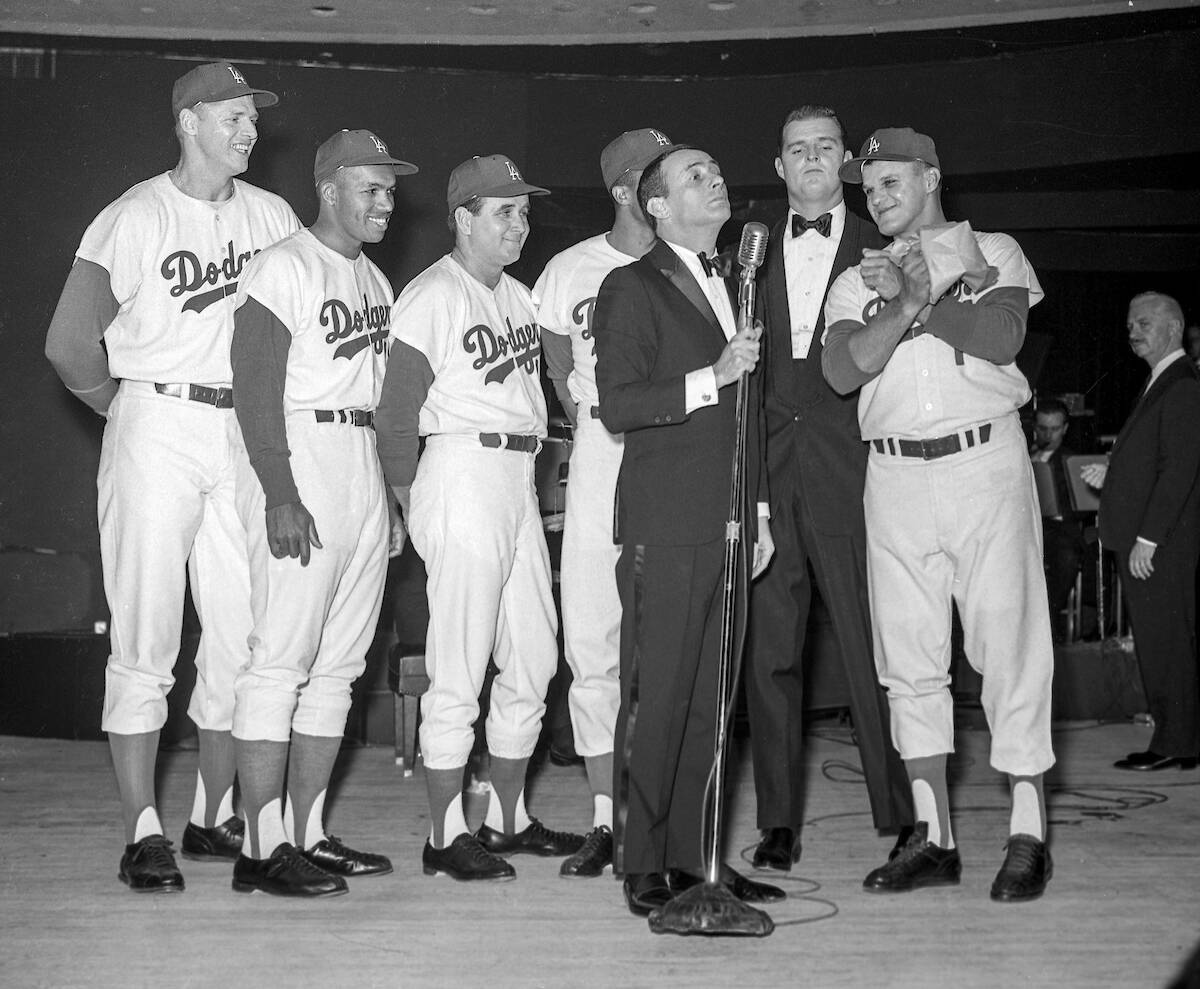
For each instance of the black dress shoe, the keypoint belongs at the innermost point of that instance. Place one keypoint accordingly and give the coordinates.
(595, 853)
(536, 839)
(224, 841)
(1152, 761)
(1026, 870)
(746, 890)
(148, 866)
(465, 859)
(332, 856)
(565, 757)
(286, 873)
(646, 891)
(918, 864)
(777, 849)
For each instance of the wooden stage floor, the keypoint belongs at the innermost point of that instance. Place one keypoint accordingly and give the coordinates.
(1123, 908)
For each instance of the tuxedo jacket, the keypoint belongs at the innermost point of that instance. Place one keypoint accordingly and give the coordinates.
(1151, 488)
(653, 325)
(812, 432)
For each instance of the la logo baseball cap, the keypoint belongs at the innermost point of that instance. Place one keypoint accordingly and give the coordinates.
(348, 148)
(493, 175)
(212, 83)
(633, 151)
(890, 144)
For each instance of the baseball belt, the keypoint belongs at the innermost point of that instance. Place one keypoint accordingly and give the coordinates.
(943, 446)
(595, 411)
(222, 398)
(510, 441)
(355, 417)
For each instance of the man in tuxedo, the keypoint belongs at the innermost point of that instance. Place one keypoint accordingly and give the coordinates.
(1149, 503)
(1062, 535)
(668, 355)
(816, 465)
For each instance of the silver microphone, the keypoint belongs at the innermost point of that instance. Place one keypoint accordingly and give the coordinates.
(752, 251)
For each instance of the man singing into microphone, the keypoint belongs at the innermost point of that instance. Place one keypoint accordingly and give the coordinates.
(667, 350)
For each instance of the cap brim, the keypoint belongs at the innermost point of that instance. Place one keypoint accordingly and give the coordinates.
(851, 171)
(400, 167)
(506, 191)
(263, 97)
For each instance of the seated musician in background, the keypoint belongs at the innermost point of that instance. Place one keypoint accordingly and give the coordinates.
(1062, 531)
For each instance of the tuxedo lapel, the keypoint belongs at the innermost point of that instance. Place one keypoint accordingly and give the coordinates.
(674, 270)
(779, 316)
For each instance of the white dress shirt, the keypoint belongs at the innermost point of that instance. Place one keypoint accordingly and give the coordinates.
(807, 264)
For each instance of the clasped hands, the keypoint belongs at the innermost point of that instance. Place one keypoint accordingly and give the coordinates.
(907, 279)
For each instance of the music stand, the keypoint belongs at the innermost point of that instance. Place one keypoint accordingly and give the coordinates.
(1047, 493)
(1085, 498)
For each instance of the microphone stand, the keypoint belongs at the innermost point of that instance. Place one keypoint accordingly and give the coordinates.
(710, 908)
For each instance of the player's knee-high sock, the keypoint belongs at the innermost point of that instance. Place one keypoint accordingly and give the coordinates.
(262, 766)
(1028, 806)
(599, 774)
(133, 759)
(445, 805)
(213, 803)
(931, 797)
(311, 766)
(507, 812)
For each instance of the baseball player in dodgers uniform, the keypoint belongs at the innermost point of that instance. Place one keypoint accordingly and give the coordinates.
(591, 609)
(950, 504)
(464, 372)
(310, 343)
(156, 277)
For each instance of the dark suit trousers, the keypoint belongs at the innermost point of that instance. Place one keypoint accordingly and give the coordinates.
(775, 677)
(1162, 611)
(670, 651)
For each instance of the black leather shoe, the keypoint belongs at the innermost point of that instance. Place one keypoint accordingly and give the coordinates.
(746, 890)
(565, 757)
(286, 873)
(334, 857)
(777, 849)
(536, 839)
(1026, 870)
(906, 832)
(1149, 762)
(465, 859)
(595, 853)
(148, 866)
(224, 841)
(918, 864)
(645, 891)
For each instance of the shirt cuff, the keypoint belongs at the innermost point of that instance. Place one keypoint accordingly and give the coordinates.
(764, 510)
(699, 389)
(1146, 542)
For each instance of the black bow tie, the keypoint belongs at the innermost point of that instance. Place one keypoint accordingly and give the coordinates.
(821, 224)
(711, 266)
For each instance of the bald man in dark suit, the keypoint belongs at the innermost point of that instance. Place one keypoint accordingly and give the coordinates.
(1150, 518)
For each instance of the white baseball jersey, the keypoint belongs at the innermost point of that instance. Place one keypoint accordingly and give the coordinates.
(927, 388)
(174, 263)
(566, 296)
(483, 346)
(338, 312)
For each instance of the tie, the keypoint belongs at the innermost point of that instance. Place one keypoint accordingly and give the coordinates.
(821, 224)
(711, 266)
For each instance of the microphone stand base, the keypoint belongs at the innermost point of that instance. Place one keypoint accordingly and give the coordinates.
(710, 909)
